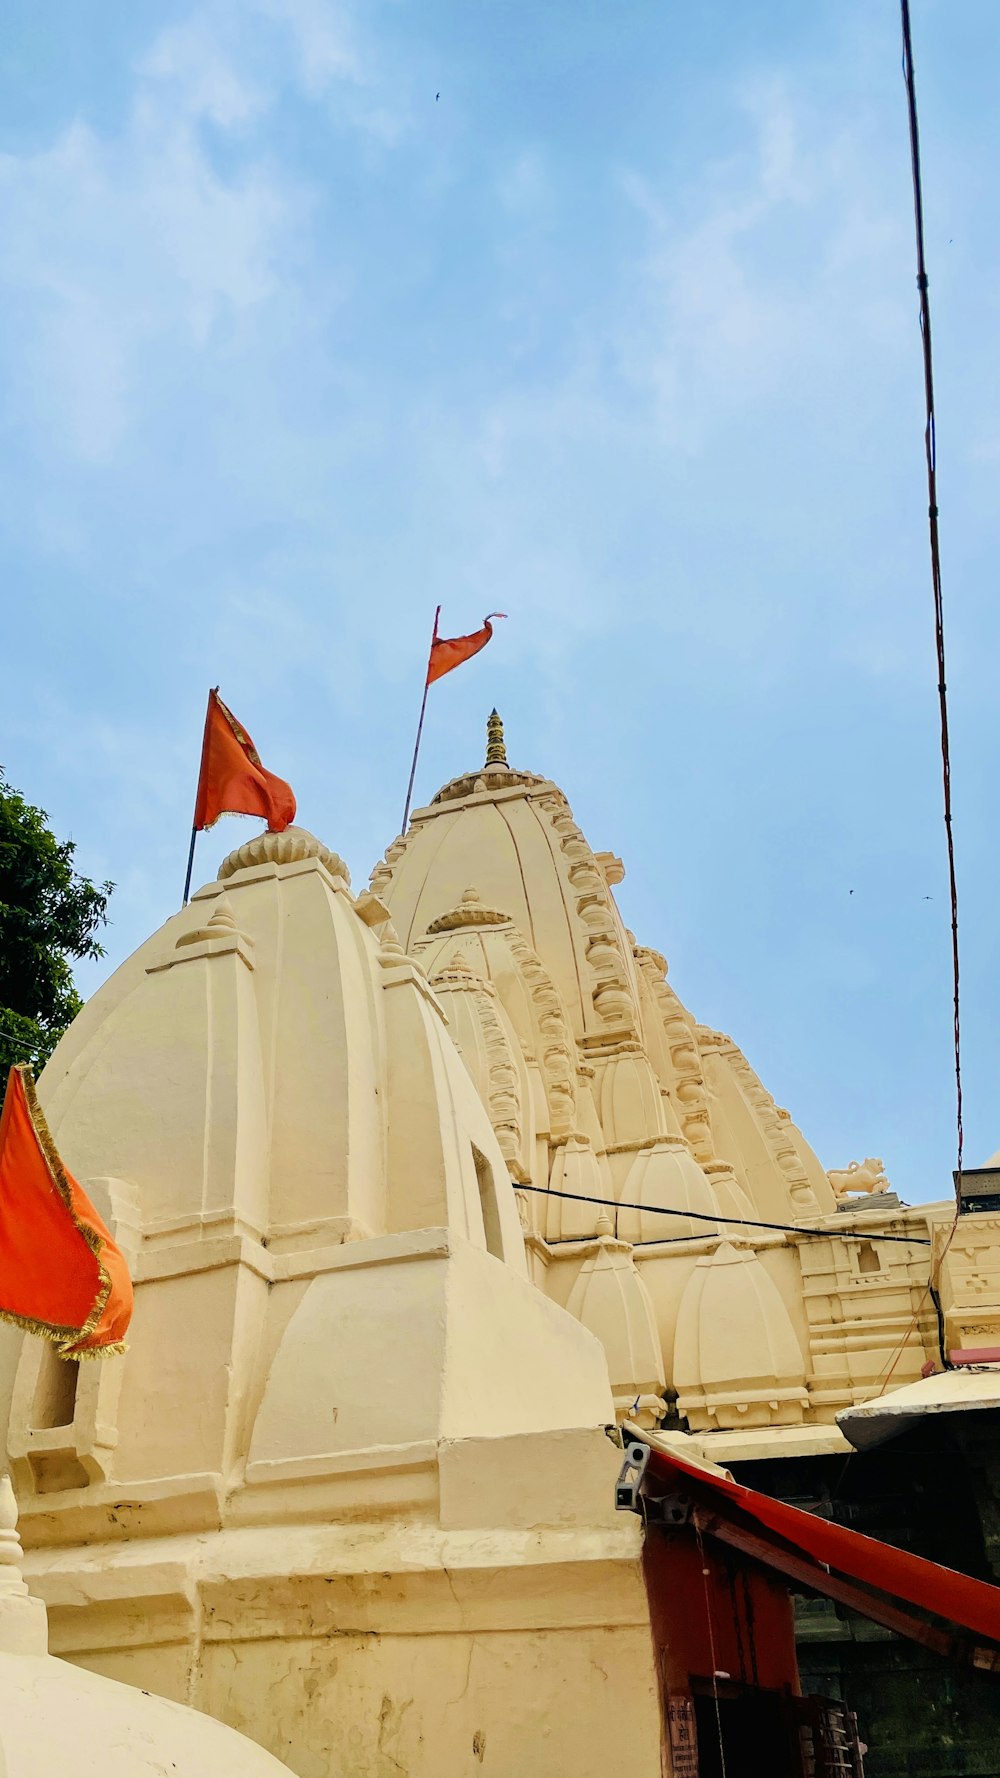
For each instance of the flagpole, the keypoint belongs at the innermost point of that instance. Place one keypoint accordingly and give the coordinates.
(214, 692)
(420, 725)
(190, 868)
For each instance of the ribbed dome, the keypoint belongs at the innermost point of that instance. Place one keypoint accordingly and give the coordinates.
(272, 1080)
(58, 1719)
(737, 1361)
(521, 849)
(611, 1300)
(666, 1175)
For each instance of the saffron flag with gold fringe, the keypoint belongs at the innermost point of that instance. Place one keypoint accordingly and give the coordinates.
(61, 1273)
(232, 780)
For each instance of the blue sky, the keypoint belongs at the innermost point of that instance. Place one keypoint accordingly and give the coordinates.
(618, 334)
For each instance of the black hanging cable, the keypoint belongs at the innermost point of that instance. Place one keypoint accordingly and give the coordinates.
(745, 1222)
(7, 1036)
(930, 453)
(930, 450)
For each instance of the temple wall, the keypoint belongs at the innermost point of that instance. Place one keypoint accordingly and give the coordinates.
(499, 1621)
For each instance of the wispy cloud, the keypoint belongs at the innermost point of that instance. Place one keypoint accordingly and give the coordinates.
(122, 252)
(775, 259)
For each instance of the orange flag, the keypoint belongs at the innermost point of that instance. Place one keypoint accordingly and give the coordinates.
(61, 1273)
(450, 651)
(232, 780)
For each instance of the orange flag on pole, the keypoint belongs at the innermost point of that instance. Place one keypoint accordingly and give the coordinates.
(61, 1273)
(232, 780)
(448, 652)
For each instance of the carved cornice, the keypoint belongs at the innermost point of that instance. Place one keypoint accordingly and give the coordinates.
(774, 1126)
(470, 912)
(502, 1095)
(691, 1091)
(557, 1049)
(291, 847)
(611, 992)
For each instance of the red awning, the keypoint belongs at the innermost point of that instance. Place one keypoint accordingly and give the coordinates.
(830, 1559)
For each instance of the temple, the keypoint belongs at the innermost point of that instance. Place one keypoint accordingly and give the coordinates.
(426, 1190)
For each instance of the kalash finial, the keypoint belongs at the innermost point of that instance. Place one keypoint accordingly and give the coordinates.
(496, 752)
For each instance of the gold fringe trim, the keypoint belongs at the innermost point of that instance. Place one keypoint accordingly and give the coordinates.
(241, 734)
(64, 1338)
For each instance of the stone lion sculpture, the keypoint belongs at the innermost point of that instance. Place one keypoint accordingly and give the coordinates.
(859, 1176)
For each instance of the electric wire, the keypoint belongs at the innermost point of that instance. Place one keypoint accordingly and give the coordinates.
(8, 1037)
(794, 1228)
(711, 1647)
(930, 453)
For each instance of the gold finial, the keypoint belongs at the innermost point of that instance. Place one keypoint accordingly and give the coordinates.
(496, 752)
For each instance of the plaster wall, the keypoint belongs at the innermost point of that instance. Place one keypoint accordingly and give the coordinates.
(504, 1624)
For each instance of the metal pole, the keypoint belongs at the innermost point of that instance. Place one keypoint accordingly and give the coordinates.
(201, 768)
(187, 879)
(420, 727)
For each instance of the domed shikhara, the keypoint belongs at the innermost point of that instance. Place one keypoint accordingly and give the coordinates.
(501, 848)
(268, 1104)
(601, 1084)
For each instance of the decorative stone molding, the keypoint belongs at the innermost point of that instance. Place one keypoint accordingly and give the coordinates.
(611, 991)
(220, 936)
(470, 912)
(968, 1270)
(501, 1094)
(775, 1129)
(291, 847)
(730, 1196)
(690, 1089)
(611, 868)
(557, 1047)
(370, 910)
(221, 925)
(490, 777)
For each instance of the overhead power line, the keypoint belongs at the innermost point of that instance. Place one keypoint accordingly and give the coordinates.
(743, 1222)
(930, 452)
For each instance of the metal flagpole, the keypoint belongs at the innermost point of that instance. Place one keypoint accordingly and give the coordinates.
(420, 726)
(194, 825)
(190, 868)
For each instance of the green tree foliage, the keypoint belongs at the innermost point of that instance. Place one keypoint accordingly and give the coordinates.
(49, 916)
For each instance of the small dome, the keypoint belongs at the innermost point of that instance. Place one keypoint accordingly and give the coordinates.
(610, 1299)
(666, 1176)
(737, 1361)
(577, 1172)
(55, 1718)
(291, 846)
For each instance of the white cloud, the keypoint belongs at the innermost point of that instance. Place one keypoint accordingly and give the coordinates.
(188, 69)
(125, 254)
(793, 242)
(118, 248)
(324, 43)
